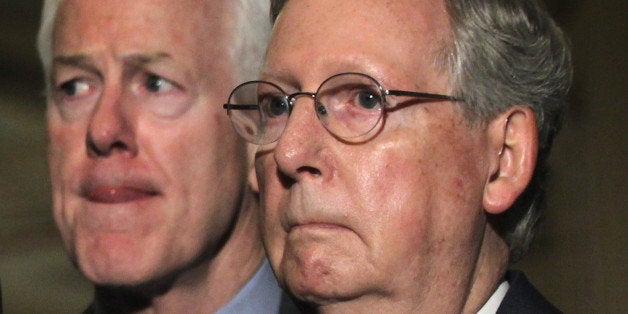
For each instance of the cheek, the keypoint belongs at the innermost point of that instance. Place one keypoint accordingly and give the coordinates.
(205, 173)
(199, 162)
(395, 209)
(417, 192)
(66, 145)
(198, 152)
(271, 193)
(274, 240)
(66, 154)
(264, 166)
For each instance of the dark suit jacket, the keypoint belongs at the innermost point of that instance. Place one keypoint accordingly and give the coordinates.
(287, 306)
(522, 297)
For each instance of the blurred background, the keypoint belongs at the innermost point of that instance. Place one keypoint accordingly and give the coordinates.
(578, 260)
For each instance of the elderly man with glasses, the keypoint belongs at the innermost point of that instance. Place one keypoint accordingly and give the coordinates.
(401, 150)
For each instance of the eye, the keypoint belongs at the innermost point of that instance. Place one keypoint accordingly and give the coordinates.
(368, 100)
(157, 84)
(74, 96)
(274, 105)
(162, 96)
(75, 87)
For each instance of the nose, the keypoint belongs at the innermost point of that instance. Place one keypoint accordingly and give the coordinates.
(300, 150)
(110, 128)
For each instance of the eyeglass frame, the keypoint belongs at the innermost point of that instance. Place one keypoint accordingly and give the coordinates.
(291, 98)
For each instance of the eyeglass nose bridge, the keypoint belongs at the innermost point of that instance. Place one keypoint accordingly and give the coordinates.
(320, 108)
(293, 97)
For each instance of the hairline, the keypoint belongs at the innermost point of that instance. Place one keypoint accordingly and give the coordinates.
(249, 38)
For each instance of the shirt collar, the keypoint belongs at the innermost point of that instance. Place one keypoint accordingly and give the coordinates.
(261, 294)
(491, 306)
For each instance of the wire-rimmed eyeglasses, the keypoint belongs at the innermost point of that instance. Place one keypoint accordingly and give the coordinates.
(349, 105)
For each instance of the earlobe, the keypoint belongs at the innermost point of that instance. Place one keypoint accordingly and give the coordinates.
(515, 135)
(252, 180)
(252, 176)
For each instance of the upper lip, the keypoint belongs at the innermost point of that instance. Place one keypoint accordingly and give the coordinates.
(303, 206)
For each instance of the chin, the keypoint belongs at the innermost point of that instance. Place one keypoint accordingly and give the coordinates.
(319, 286)
(321, 295)
(117, 260)
(115, 277)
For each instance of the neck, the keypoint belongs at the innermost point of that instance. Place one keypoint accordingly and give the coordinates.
(205, 287)
(490, 270)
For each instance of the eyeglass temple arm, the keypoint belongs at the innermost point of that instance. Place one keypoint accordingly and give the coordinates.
(388, 92)
(240, 107)
(421, 95)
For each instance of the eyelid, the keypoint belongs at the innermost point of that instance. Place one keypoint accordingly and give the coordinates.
(168, 99)
(288, 84)
(164, 68)
(171, 83)
(59, 94)
(139, 83)
(66, 72)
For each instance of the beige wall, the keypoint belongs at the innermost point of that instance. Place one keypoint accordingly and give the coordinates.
(578, 259)
(580, 256)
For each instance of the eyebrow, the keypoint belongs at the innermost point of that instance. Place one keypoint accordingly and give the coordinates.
(354, 64)
(87, 62)
(142, 59)
(80, 61)
(277, 75)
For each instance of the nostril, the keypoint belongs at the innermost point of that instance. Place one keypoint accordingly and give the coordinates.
(105, 149)
(309, 170)
(119, 145)
(285, 180)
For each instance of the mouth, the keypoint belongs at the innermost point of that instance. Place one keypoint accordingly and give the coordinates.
(118, 194)
(316, 225)
(112, 189)
(316, 228)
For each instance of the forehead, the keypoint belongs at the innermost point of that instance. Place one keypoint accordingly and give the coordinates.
(402, 28)
(409, 34)
(138, 25)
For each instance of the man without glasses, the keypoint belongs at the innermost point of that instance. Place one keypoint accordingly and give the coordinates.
(149, 181)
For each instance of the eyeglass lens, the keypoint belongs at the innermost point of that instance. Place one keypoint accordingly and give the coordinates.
(349, 105)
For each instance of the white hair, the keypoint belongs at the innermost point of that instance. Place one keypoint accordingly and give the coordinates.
(44, 37)
(252, 31)
(252, 34)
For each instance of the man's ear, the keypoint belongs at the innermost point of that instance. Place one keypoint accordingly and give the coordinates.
(252, 177)
(513, 151)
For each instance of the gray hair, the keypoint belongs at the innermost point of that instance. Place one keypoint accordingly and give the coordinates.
(511, 52)
(506, 53)
(252, 29)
